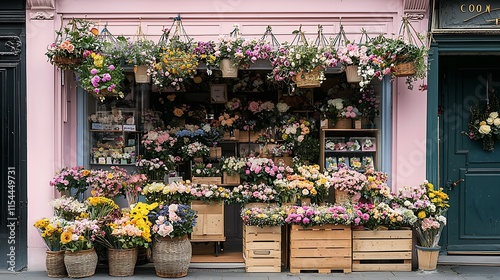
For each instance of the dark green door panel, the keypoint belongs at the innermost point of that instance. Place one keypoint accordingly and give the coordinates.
(474, 216)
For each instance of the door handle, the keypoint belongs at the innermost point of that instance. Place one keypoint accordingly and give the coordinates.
(454, 184)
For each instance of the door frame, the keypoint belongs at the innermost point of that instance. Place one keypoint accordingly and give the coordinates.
(447, 44)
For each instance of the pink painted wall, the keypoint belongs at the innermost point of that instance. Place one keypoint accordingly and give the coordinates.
(51, 107)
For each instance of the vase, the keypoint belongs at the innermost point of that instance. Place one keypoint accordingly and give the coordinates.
(122, 261)
(54, 262)
(81, 263)
(309, 79)
(172, 256)
(141, 74)
(427, 257)
(229, 68)
(351, 72)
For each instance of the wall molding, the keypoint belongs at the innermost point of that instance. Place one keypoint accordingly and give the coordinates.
(41, 4)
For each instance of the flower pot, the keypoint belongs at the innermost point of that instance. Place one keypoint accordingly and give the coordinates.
(351, 72)
(122, 261)
(81, 263)
(427, 257)
(141, 74)
(228, 68)
(172, 256)
(403, 67)
(66, 63)
(343, 123)
(54, 262)
(309, 79)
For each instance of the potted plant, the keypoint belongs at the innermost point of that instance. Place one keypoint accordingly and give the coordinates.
(71, 42)
(229, 52)
(98, 76)
(430, 206)
(141, 54)
(50, 230)
(351, 56)
(304, 64)
(171, 226)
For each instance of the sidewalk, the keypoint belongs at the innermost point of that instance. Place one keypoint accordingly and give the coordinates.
(447, 272)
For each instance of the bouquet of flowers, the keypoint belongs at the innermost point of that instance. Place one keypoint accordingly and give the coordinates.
(353, 54)
(133, 187)
(261, 217)
(228, 122)
(258, 49)
(310, 183)
(99, 76)
(230, 47)
(429, 206)
(331, 110)
(158, 144)
(68, 208)
(367, 103)
(108, 183)
(174, 220)
(205, 53)
(263, 170)
(382, 215)
(247, 193)
(318, 215)
(68, 180)
(194, 150)
(265, 112)
(209, 193)
(79, 235)
(100, 207)
(76, 37)
(124, 232)
(349, 112)
(298, 135)
(376, 188)
(233, 165)
(348, 180)
(50, 230)
(139, 214)
(205, 170)
(233, 104)
(174, 68)
(156, 169)
(175, 192)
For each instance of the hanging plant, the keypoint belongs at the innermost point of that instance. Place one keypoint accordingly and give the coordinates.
(484, 122)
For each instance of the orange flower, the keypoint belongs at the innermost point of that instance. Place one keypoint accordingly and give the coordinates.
(178, 112)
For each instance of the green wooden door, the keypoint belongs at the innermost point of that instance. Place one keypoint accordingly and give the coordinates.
(473, 219)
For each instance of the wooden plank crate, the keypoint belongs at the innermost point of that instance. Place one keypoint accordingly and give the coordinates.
(320, 248)
(381, 250)
(207, 180)
(262, 248)
(210, 222)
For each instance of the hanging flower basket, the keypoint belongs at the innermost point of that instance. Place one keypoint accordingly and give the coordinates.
(309, 79)
(228, 68)
(66, 63)
(141, 74)
(352, 75)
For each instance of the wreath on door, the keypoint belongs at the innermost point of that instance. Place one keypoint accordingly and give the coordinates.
(484, 122)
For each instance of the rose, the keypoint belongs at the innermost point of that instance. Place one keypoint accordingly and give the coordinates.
(282, 107)
(489, 121)
(485, 129)
(494, 115)
(496, 122)
(178, 112)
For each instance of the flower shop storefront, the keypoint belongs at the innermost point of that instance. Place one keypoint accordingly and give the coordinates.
(463, 83)
(288, 128)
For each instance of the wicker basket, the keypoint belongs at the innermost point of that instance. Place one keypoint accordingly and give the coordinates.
(310, 79)
(343, 123)
(54, 262)
(141, 74)
(228, 68)
(352, 75)
(122, 261)
(172, 256)
(80, 263)
(66, 63)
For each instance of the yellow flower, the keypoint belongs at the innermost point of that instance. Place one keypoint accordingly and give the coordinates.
(65, 237)
(421, 215)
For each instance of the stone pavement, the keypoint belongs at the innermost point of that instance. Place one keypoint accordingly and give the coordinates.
(447, 272)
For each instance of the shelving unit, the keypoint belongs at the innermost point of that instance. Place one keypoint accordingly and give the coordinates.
(105, 143)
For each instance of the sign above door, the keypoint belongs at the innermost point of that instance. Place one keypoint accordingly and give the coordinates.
(477, 14)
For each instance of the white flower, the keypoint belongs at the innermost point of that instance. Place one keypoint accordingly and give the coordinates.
(282, 107)
(485, 129)
(494, 115)
(489, 121)
(496, 122)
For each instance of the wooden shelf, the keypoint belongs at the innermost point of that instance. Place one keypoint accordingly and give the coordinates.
(115, 131)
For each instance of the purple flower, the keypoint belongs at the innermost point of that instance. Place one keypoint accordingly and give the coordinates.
(111, 67)
(93, 71)
(106, 77)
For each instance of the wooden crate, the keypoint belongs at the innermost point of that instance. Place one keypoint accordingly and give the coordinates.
(262, 248)
(381, 250)
(207, 180)
(230, 180)
(320, 248)
(215, 152)
(210, 222)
